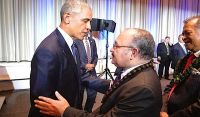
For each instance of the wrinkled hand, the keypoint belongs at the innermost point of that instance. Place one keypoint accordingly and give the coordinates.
(163, 114)
(50, 106)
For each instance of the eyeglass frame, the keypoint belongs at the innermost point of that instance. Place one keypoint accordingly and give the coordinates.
(122, 46)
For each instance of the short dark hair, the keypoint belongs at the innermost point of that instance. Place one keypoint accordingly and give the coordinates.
(197, 22)
(167, 37)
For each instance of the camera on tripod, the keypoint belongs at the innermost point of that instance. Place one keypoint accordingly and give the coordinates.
(109, 26)
(102, 24)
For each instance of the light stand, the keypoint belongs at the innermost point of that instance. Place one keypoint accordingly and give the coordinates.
(108, 25)
(106, 70)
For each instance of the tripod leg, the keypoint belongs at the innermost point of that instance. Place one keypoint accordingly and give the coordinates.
(101, 74)
(110, 74)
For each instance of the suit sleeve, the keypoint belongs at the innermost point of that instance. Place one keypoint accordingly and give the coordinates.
(95, 56)
(131, 104)
(43, 74)
(193, 110)
(174, 56)
(159, 50)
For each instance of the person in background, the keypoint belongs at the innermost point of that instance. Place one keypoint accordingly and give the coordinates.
(178, 51)
(138, 92)
(183, 92)
(55, 64)
(164, 57)
(88, 56)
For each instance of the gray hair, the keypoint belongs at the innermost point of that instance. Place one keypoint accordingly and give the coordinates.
(197, 22)
(72, 6)
(144, 41)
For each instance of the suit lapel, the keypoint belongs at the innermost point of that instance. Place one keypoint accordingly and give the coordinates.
(83, 48)
(67, 53)
(127, 77)
(63, 44)
(182, 49)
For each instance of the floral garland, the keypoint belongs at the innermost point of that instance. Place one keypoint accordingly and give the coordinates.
(128, 77)
(178, 76)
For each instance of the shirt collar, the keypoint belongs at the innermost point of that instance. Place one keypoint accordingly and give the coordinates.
(182, 44)
(197, 54)
(67, 38)
(130, 69)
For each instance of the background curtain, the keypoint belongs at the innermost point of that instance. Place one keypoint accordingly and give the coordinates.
(25, 23)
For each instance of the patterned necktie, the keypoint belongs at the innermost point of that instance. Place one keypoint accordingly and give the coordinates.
(117, 79)
(88, 50)
(74, 51)
(189, 62)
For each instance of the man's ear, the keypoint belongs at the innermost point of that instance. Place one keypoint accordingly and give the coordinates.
(66, 18)
(135, 52)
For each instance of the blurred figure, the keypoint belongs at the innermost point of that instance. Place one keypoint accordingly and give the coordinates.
(164, 57)
(136, 94)
(178, 51)
(184, 90)
(88, 56)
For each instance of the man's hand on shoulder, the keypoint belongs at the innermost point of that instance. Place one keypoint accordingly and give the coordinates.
(50, 106)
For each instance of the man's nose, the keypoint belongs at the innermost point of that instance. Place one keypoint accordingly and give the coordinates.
(88, 25)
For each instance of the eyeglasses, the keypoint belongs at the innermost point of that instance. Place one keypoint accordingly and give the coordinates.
(118, 46)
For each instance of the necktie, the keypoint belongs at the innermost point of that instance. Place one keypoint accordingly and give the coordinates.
(113, 84)
(189, 62)
(117, 79)
(88, 50)
(74, 51)
(167, 46)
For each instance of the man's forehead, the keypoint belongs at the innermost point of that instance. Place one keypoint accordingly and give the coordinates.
(122, 40)
(188, 27)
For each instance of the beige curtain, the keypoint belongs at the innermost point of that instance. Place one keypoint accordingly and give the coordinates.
(25, 23)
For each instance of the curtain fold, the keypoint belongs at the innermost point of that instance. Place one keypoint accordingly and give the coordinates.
(25, 23)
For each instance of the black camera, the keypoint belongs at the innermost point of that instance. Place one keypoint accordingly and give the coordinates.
(102, 24)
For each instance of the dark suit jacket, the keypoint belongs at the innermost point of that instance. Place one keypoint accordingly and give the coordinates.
(83, 57)
(53, 68)
(177, 54)
(162, 51)
(138, 97)
(185, 100)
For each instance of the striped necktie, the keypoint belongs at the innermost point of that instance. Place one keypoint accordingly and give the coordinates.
(88, 50)
(74, 51)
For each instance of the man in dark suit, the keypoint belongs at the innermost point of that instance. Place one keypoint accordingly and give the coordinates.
(88, 56)
(178, 51)
(53, 66)
(184, 91)
(164, 57)
(136, 94)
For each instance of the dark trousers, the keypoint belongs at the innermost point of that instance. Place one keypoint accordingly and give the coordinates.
(91, 96)
(164, 64)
